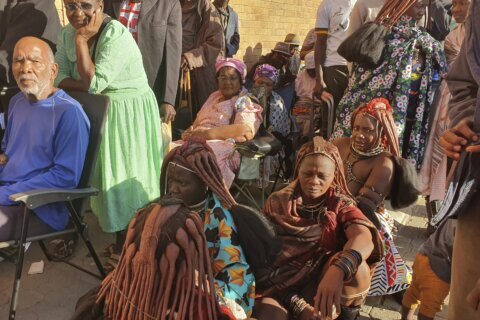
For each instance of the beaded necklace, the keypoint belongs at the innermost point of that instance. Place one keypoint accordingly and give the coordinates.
(358, 155)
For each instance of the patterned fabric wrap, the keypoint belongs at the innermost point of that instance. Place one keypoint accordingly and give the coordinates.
(392, 80)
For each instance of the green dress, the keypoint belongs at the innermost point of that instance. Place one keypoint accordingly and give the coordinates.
(127, 171)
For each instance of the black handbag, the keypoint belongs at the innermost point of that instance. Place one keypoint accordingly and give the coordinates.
(366, 45)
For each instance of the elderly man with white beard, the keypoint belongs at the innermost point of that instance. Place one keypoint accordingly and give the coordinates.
(45, 142)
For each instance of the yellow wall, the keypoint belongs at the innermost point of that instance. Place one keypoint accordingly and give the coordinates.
(263, 23)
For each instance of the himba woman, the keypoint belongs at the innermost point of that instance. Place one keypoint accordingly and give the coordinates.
(164, 272)
(240, 240)
(371, 171)
(433, 174)
(237, 242)
(411, 61)
(228, 116)
(328, 244)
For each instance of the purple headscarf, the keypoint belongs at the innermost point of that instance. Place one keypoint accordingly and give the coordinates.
(267, 71)
(233, 63)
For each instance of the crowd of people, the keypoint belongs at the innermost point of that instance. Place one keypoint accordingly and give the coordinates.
(185, 248)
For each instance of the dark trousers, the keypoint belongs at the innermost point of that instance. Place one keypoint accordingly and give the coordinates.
(11, 218)
(336, 79)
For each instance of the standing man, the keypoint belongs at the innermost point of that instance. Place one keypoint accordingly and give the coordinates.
(156, 25)
(333, 17)
(202, 44)
(229, 20)
(461, 142)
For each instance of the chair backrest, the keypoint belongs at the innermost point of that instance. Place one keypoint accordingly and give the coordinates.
(96, 107)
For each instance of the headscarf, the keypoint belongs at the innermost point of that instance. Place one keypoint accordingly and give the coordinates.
(320, 146)
(310, 60)
(238, 65)
(195, 155)
(381, 111)
(164, 246)
(267, 71)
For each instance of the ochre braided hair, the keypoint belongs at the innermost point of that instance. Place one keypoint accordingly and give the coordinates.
(156, 276)
(320, 146)
(196, 155)
(393, 10)
(381, 111)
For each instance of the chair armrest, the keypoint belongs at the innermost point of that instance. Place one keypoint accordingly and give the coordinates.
(37, 198)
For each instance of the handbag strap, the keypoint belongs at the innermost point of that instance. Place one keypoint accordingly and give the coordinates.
(105, 21)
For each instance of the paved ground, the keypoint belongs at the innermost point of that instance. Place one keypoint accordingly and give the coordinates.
(53, 294)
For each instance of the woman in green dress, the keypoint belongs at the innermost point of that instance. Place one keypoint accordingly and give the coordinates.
(98, 55)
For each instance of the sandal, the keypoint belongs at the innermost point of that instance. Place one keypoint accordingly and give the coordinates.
(63, 248)
(110, 251)
(110, 265)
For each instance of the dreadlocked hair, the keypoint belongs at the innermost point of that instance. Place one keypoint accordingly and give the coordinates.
(393, 10)
(381, 111)
(256, 235)
(156, 274)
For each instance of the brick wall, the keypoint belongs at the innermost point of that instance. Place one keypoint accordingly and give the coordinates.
(262, 23)
(265, 22)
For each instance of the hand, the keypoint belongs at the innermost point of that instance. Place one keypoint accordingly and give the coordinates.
(184, 64)
(92, 27)
(321, 93)
(473, 298)
(328, 295)
(3, 159)
(457, 138)
(167, 112)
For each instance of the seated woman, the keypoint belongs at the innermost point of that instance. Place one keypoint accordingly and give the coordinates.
(98, 55)
(275, 118)
(328, 244)
(228, 116)
(163, 272)
(239, 240)
(371, 170)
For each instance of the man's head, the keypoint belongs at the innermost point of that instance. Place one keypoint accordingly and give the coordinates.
(34, 68)
(280, 55)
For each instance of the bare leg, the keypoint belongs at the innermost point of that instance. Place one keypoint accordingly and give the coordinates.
(407, 314)
(269, 308)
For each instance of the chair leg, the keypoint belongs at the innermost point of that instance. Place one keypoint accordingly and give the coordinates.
(44, 250)
(19, 265)
(83, 231)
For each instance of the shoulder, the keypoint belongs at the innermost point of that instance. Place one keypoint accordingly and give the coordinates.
(385, 158)
(114, 29)
(69, 107)
(15, 102)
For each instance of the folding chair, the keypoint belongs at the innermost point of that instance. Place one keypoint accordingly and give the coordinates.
(261, 146)
(95, 106)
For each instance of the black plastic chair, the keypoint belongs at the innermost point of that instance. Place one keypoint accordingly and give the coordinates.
(96, 107)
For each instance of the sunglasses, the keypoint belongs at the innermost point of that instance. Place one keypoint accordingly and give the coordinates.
(84, 6)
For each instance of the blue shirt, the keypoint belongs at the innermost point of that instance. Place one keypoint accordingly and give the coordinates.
(46, 143)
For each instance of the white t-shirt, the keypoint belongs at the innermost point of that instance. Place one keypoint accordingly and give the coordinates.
(364, 11)
(334, 15)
